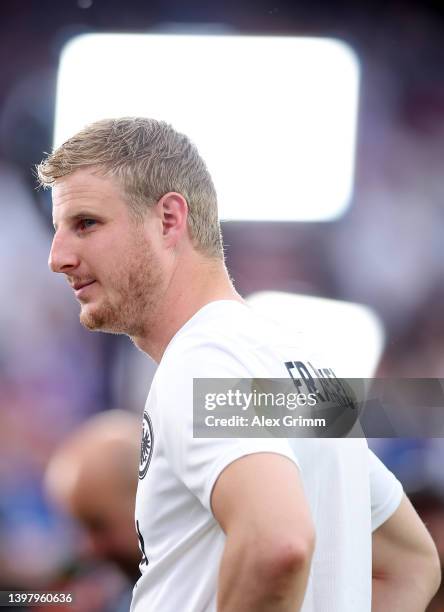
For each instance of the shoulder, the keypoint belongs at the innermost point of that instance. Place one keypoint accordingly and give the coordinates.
(203, 358)
(220, 337)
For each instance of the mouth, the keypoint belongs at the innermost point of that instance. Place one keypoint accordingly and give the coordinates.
(81, 288)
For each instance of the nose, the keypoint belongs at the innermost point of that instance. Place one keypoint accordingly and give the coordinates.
(62, 256)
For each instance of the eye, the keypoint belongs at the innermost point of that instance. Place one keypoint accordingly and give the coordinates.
(85, 224)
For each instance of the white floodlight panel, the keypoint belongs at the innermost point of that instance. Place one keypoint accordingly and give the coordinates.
(273, 117)
(350, 336)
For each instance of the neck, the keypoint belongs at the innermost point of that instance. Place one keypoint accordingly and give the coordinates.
(192, 286)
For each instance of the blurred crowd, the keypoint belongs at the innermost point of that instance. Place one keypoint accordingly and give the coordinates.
(385, 253)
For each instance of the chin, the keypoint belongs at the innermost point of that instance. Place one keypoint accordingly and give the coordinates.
(104, 320)
(93, 319)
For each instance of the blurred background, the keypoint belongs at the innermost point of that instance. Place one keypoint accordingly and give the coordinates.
(386, 253)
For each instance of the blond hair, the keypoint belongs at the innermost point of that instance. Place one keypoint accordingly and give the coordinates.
(149, 159)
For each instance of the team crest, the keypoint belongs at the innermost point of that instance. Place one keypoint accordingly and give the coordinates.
(146, 449)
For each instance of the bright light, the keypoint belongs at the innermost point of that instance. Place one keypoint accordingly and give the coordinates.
(274, 117)
(350, 336)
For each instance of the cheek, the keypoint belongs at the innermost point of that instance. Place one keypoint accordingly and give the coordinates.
(124, 262)
(114, 264)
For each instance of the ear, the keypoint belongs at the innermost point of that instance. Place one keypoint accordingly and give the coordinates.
(172, 210)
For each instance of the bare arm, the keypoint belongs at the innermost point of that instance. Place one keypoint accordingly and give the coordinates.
(406, 568)
(259, 502)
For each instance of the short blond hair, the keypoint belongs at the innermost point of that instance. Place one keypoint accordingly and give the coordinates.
(149, 159)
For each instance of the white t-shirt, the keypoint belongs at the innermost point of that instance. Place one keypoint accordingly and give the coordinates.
(349, 491)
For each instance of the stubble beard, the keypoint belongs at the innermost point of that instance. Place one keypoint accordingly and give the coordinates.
(138, 282)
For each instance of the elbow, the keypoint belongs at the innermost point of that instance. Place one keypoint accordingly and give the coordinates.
(435, 572)
(288, 557)
(429, 565)
(296, 554)
(426, 572)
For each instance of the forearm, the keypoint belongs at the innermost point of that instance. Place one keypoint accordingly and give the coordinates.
(405, 563)
(409, 593)
(248, 581)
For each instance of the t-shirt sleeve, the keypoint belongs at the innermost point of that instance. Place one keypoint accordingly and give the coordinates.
(386, 491)
(198, 462)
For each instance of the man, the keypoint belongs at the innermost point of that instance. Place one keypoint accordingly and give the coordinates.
(93, 476)
(223, 523)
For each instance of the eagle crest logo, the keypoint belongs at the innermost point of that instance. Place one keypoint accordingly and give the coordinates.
(146, 448)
